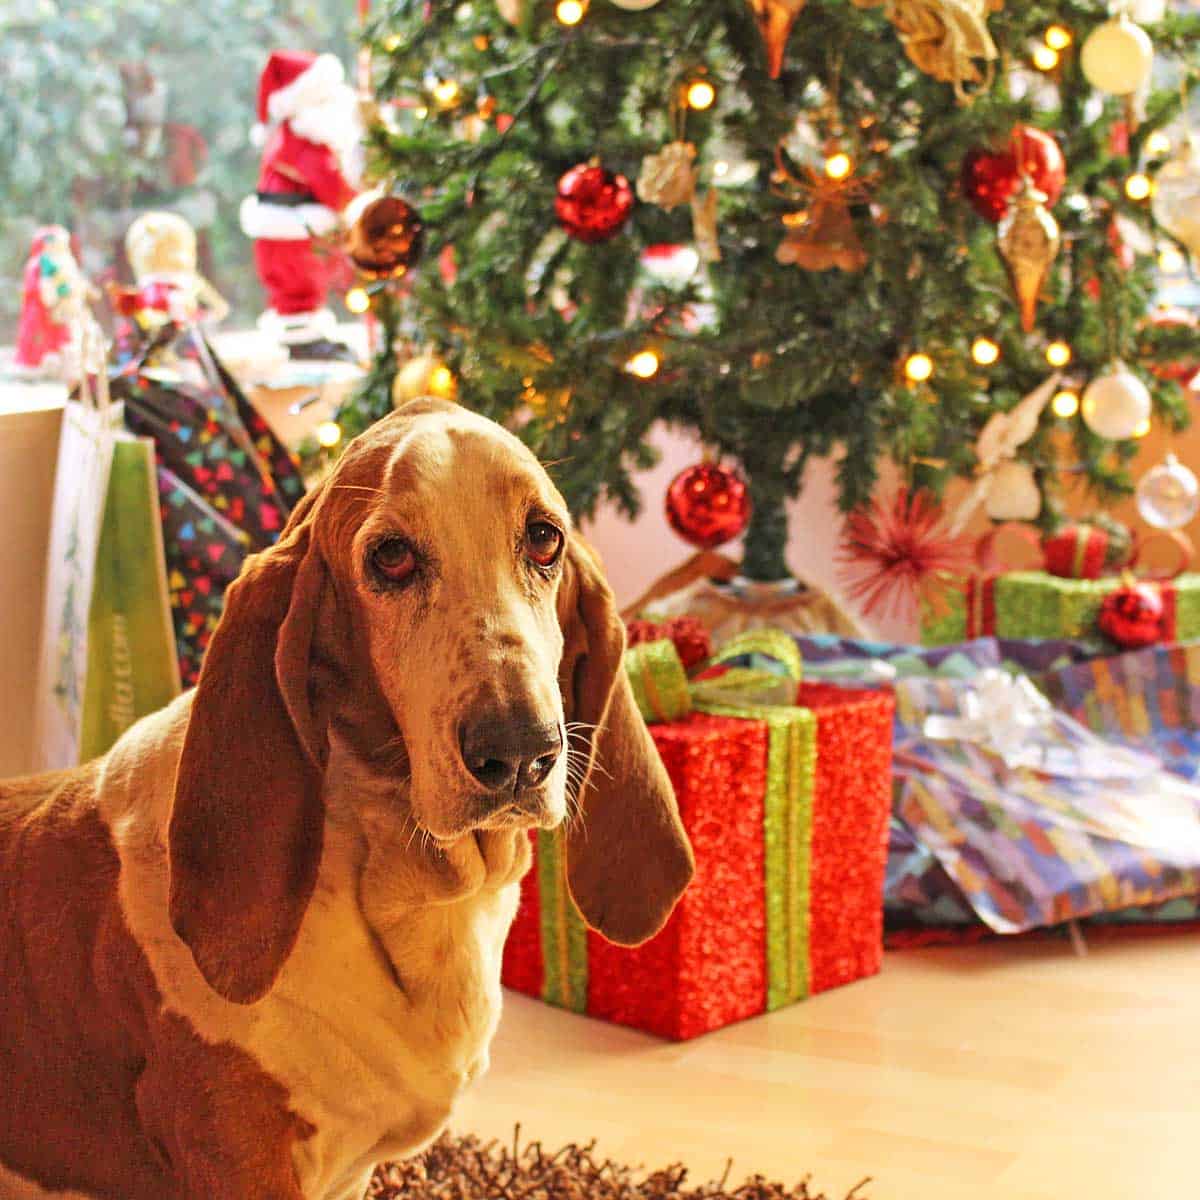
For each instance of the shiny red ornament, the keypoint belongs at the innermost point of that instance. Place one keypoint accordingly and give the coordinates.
(990, 178)
(708, 505)
(593, 204)
(1133, 616)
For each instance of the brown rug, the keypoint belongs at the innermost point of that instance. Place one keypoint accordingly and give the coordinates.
(465, 1168)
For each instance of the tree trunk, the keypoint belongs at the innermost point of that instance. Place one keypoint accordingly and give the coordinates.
(765, 558)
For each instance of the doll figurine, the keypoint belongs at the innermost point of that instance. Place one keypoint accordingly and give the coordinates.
(52, 303)
(161, 248)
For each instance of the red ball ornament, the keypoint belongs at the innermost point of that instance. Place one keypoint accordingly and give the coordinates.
(708, 505)
(1133, 616)
(592, 204)
(990, 178)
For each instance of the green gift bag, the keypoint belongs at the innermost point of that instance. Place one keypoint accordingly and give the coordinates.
(131, 665)
(108, 649)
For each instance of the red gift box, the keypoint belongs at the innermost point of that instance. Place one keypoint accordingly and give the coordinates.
(787, 810)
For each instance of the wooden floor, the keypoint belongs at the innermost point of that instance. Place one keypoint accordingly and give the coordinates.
(1012, 1070)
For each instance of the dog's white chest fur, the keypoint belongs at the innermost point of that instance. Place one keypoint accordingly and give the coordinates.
(382, 1039)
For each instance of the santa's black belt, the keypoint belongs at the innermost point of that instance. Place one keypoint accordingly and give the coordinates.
(287, 199)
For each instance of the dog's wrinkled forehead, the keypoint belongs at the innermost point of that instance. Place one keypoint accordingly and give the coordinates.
(445, 466)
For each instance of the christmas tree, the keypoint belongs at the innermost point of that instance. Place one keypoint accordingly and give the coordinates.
(884, 222)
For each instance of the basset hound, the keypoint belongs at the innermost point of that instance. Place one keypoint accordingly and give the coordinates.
(255, 949)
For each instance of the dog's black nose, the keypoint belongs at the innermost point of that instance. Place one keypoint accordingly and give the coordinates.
(511, 755)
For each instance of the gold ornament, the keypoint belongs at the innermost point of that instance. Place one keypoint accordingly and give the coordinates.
(775, 20)
(822, 237)
(945, 37)
(668, 178)
(1176, 203)
(424, 375)
(704, 226)
(1028, 241)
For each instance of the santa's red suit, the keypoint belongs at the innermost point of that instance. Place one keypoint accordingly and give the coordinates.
(309, 171)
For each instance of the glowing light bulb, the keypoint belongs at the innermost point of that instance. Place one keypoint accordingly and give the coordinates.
(918, 367)
(570, 12)
(720, 168)
(1058, 354)
(1065, 404)
(700, 94)
(1158, 144)
(1142, 428)
(839, 165)
(984, 351)
(1170, 261)
(357, 300)
(1045, 58)
(392, 43)
(441, 382)
(329, 433)
(1139, 186)
(1058, 37)
(446, 93)
(644, 364)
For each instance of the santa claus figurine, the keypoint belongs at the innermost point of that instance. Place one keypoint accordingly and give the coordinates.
(52, 304)
(310, 171)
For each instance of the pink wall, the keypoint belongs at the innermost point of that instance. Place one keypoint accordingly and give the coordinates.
(636, 554)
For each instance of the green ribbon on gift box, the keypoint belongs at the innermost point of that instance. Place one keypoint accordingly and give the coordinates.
(664, 692)
(763, 691)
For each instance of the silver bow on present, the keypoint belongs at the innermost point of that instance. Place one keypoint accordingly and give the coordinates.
(1007, 716)
(1000, 711)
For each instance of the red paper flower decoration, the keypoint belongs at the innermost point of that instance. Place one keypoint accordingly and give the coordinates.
(895, 552)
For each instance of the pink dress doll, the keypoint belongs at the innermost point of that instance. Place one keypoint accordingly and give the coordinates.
(52, 298)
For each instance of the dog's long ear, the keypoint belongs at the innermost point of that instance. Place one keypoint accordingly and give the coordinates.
(628, 859)
(246, 828)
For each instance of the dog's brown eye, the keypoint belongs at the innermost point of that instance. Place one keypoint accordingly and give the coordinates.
(543, 542)
(393, 559)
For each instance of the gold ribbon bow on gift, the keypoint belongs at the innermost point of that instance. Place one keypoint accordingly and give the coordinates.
(664, 692)
(945, 37)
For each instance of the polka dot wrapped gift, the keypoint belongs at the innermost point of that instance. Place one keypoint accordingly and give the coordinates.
(787, 808)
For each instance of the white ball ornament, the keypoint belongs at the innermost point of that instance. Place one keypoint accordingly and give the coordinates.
(1168, 496)
(1013, 493)
(1116, 403)
(1117, 57)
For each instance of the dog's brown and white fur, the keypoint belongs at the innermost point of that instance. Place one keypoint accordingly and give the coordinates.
(255, 949)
